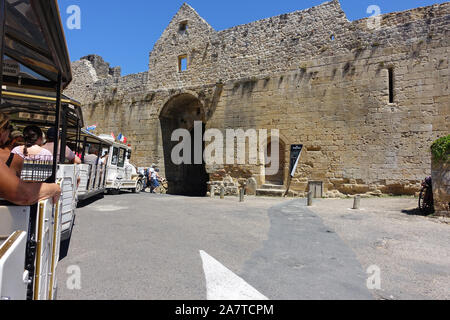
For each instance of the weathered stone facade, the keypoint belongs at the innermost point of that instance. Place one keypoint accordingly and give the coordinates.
(366, 103)
(440, 173)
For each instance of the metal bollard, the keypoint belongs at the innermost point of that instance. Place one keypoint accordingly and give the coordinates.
(241, 194)
(357, 203)
(310, 199)
(222, 192)
(213, 191)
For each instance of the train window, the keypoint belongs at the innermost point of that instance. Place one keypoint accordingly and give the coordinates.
(122, 155)
(115, 157)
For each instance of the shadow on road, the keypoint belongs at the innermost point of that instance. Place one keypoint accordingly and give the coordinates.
(417, 212)
(64, 249)
(87, 202)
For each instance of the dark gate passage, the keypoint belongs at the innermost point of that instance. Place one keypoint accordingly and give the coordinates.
(278, 177)
(180, 113)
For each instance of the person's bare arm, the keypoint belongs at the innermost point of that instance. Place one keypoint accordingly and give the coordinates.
(76, 160)
(21, 193)
(17, 165)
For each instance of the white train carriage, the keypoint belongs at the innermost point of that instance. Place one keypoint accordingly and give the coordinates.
(92, 175)
(120, 173)
(34, 51)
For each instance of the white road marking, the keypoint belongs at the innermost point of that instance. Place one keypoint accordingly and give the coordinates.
(223, 284)
(108, 208)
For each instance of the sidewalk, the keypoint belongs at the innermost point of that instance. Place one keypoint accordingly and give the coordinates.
(413, 252)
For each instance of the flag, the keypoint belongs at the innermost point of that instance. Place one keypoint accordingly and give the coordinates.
(91, 128)
(122, 138)
(112, 135)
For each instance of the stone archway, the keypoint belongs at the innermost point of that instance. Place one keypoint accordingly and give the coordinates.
(180, 112)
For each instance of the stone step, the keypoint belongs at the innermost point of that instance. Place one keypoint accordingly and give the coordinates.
(270, 192)
(273, 187)
(275, 193)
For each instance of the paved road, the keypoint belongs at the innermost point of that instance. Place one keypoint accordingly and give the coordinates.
(148, 247)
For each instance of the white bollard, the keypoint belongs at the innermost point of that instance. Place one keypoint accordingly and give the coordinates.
(241, 194)
(357, 203)
(310, 199)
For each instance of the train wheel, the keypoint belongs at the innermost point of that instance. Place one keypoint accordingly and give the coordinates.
(421, 201)
(138, 188)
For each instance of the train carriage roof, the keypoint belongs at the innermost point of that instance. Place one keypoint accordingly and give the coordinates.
(39, 108)
(34, 37)
(94, 139)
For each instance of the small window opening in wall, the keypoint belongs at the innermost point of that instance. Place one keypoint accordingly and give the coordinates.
(391, 85)
(183, 26)
(182, 63)
(332, 37)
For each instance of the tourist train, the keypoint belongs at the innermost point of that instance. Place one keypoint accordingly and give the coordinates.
(34, 70)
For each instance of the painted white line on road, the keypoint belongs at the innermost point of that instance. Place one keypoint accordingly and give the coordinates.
(110, 208)
(223, 284)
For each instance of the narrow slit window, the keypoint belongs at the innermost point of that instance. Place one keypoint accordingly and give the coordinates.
(182, 63)
(391, 85)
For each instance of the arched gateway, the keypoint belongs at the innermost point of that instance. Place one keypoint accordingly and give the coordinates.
(181, 112)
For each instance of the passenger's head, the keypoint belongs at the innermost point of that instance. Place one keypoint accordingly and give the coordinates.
(32, 136)
(93, 150)
(51, 134)
(5, 128)
(15, 139)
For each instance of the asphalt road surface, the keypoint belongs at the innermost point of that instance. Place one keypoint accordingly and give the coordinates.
(160, 247)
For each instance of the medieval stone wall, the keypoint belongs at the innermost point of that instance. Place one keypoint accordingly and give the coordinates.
(321, 80)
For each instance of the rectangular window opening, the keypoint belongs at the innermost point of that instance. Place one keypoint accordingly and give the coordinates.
(182, 63)
(183, 26)
(391, 85)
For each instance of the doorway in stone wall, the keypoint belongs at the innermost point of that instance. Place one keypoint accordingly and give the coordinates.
(180, 112)
(276, 178)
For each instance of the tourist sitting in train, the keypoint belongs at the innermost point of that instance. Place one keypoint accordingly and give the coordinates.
(13, 189)
(71, 157)
(12, 160)
(92, 157)
(105, 157)
(15, 140)
(32, 149)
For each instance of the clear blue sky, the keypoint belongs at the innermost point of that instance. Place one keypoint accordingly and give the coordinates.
(124, 32)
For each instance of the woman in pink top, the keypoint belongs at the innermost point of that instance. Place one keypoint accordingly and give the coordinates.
(32, 149)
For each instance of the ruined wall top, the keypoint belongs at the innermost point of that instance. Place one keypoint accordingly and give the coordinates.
(279, 43)
(265, 47)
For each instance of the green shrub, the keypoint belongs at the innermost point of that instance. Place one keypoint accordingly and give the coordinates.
(441, 149)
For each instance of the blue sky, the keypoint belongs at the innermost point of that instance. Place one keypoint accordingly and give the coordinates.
(124, 32)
